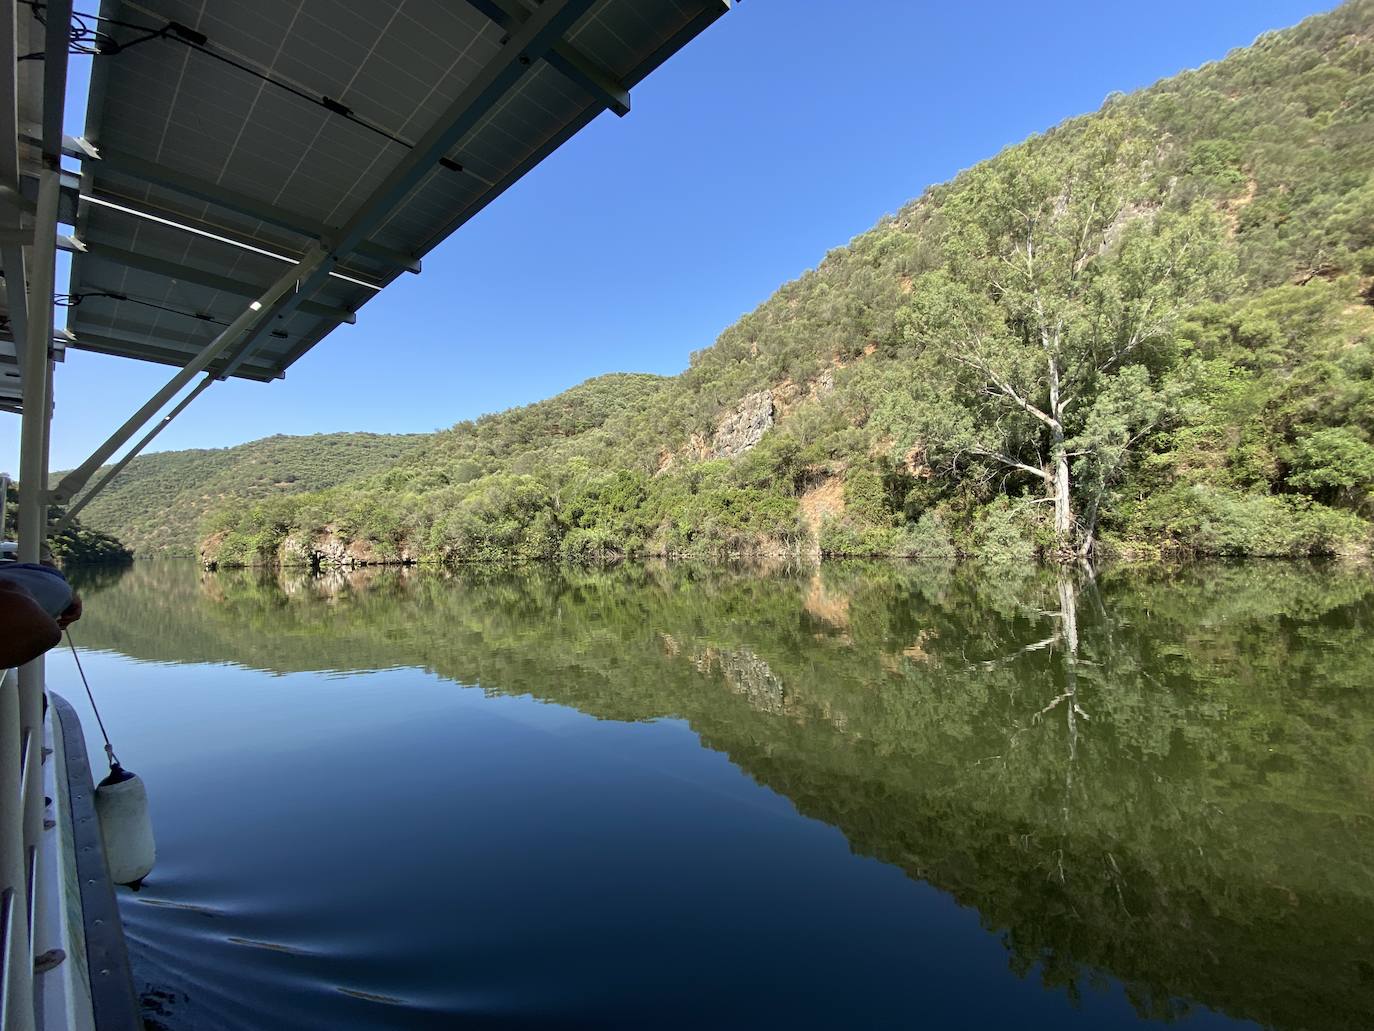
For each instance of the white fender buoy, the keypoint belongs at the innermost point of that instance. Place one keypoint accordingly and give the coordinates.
(121, 806)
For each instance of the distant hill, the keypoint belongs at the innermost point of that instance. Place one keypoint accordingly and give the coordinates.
(1150, 327)
(156, 505)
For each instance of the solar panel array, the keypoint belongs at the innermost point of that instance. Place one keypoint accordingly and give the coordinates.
(237, 134)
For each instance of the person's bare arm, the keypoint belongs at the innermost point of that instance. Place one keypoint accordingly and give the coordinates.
(26, 631)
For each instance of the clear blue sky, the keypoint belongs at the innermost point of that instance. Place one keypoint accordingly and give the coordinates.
(782, 132)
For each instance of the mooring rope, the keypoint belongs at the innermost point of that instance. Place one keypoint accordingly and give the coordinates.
(109, 748)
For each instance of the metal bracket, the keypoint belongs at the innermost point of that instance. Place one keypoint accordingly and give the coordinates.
(563, 56)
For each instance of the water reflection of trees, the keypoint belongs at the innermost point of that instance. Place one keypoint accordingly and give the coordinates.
(1163, 776)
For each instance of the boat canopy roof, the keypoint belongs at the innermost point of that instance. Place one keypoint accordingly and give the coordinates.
(226, 143)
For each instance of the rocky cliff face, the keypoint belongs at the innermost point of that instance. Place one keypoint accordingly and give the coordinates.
(328, 549)
(745, 427)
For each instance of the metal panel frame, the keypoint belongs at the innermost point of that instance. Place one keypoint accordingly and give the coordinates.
(533, 39)
(597, 82)
(11, 207)
(117, 348)
(210, 280)
(148, 172)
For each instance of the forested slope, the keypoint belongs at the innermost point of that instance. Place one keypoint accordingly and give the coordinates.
(1149, 327)
(156, 505)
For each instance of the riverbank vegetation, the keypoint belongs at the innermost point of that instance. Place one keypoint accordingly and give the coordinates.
(1148, 330)
(76, 545)
(156, 505)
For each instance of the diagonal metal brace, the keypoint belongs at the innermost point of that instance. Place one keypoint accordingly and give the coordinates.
(133, 453)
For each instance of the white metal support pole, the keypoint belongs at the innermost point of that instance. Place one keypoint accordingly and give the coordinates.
(33, 463)
(11, 252)
(33, 487)
(16, 958)
(16, 961)
(33, 506)
(33, 440)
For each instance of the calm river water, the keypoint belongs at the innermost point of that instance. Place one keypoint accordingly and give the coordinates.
(868, 796)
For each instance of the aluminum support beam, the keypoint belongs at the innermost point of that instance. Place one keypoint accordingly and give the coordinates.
(9, 110)
(565, 57)
(151, 173)
(12, 254)
(531, 42)
(16, 971)
(293, 222)
(133, 453)
(188, 274)
(57, 20)
(118, 347)
(71, 196)
(528, 44)
(33, 465)
(16, 300)
(33, 499)
(16, 959)
(710, 11)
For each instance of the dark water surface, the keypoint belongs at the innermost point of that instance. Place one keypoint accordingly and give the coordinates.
(869, 796)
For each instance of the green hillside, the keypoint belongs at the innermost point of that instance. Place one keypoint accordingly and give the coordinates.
(1151, 327)
(156, 505)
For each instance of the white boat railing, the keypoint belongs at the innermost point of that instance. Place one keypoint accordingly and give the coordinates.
(21, 830)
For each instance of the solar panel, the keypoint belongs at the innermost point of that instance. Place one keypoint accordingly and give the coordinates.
(234, 137)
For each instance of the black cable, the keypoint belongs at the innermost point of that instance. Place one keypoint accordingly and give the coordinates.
(82, 38)
(109, 748)
(74, 300)
(85, 38)
(329, 104)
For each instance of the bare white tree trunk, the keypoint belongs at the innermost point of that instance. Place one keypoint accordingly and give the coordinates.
(1059, 459)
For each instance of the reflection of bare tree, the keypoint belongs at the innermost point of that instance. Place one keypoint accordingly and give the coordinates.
(1063, 644)
(1068, 631)
(1067, 634)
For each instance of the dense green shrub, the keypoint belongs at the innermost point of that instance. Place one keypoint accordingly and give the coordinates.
(1218, 521)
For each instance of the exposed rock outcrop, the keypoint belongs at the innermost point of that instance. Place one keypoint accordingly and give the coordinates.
(823, 501)
(325, 550)
(745, 427)
(330, 550)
